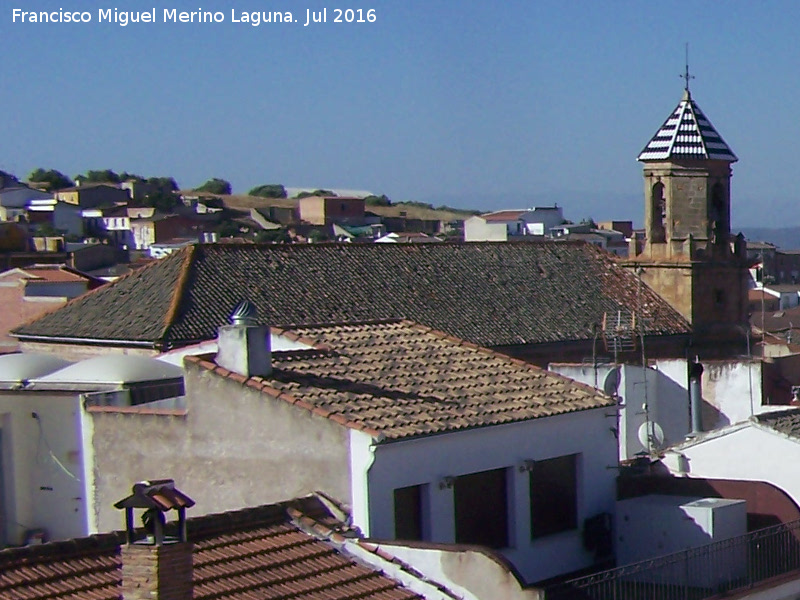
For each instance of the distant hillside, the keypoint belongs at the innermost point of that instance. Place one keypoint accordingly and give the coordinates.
(411, 211)
(786, 238)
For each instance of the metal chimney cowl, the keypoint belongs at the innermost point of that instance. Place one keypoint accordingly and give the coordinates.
(244, 346)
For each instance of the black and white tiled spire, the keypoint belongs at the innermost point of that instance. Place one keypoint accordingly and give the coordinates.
(687, 133)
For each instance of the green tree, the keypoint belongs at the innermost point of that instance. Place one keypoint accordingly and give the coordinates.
(106, 176)
(215, 186)
(228, 229)
(279, 236)
(55, 180)
(317, 235)
(268, 190)
(328, 193)
(164, 184)
(125, 176)
(162, 201)
(381, 200)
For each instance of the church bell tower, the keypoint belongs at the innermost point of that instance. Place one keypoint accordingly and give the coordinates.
(689, 256)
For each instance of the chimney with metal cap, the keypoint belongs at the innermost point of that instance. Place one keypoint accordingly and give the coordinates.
(156, 566)
(244, 345)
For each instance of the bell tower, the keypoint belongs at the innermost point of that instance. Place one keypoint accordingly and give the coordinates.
(689, 256)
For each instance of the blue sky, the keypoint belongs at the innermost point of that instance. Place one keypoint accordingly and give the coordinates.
(469, 103)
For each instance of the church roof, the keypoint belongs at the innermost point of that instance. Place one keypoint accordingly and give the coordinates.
(687, 133)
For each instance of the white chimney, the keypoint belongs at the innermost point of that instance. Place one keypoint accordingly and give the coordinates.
(244, 345)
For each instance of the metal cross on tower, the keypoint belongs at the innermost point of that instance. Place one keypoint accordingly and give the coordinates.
(686, 76)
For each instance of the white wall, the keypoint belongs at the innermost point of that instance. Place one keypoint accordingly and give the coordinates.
(43, 465)
(548, 217)
(477, 229)
(661, 400)
(427, 460)
(469, 574)
(731, 392)
(744, 451)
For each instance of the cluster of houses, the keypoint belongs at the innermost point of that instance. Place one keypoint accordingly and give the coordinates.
(593, 418)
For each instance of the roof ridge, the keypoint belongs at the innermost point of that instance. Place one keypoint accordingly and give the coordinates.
(239, 519)
(180, 289)
(63, 549)
(96, 290)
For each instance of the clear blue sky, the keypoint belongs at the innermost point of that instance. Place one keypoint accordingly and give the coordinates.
(465, 102)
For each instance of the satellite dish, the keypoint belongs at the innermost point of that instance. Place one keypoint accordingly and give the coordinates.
(651, 435)
(611, 382)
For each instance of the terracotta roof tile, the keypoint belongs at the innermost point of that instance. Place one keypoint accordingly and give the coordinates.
(255, 553)
(396, 379)
(487, 293)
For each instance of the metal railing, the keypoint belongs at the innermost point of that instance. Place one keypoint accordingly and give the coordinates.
(734, 564)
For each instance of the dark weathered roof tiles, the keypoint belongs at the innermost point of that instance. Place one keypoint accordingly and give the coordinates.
(488, 293)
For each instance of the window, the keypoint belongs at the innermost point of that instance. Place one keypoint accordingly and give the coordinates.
(719, 298)
(481, 508)
(659, 213)
(718, 215)
(408, 513)
(554, 495)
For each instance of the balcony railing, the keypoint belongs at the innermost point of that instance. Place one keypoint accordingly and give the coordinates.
(721, 567)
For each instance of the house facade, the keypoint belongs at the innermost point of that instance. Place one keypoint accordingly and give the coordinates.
(49, 462)
(423, 436)
(764, 448)
(324, 210)
(500, 226)
(91, 195)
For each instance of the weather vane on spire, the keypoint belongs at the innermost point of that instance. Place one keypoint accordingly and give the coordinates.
(686, 74)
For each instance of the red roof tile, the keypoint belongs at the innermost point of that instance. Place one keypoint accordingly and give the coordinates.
(254, 553)
(397, 379)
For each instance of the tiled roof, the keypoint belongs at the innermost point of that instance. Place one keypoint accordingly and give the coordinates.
(687, 133)
(397, 380)
(784, 421)
(504, 215)
(487, 293)
(56, 273)
(252, 553)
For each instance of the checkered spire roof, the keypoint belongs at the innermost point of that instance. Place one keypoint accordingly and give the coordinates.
(687, 133)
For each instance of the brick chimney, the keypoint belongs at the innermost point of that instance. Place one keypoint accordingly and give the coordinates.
(244, 345)
(156, 566)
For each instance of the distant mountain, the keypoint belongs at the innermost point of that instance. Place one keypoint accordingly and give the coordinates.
(786, 238)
